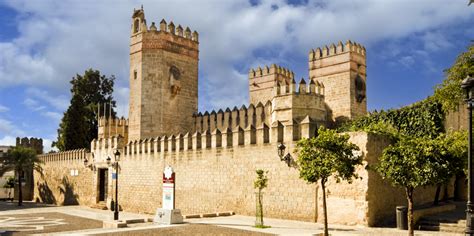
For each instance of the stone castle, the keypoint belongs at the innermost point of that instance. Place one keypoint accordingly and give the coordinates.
(215, 154)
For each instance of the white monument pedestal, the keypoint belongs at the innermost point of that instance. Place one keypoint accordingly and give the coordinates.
(166, 216)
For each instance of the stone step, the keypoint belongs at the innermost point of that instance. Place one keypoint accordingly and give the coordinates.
(443, 228)
(101, 206)
(442, 222)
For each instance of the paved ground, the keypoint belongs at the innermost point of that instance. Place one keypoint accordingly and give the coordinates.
(190, 229)
(78, 220)
(26, 224)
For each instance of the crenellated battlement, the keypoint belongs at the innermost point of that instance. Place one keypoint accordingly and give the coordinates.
(33, 143)
(178, 31)
(262, 80)
(103, 121)
(272, 70)
(301, 88)
(77, 155)
(139, 26)
(109, 127)
(237, 137)
(255, 115)
(342, 70)
(294, 101)
(332, 50)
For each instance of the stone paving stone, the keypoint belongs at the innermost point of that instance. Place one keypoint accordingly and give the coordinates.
(26, 224)
(194, 229)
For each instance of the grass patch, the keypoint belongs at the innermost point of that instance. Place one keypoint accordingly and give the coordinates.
(262, 226)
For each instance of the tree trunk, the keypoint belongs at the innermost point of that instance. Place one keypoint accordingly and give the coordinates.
(445, 193)
(323, 188)
(261, 205)
(411, 226)
(436, 199)
(20, 193)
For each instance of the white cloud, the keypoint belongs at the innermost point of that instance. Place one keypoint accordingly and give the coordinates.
(56, 42)
(435, 41)
(58, 102)
(52, 115)
(47, 146)
(33, 104)
(407, 61)
(4, 108)
(8, 128)
(121, 95)
(8, 141)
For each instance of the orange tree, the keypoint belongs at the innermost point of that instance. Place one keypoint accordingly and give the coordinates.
(328, 155)
(415, 162)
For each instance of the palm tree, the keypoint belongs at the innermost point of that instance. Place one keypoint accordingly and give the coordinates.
(20, 159)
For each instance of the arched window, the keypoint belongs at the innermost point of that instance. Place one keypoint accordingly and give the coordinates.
(175, 77)
(360, 88)
(136, 26)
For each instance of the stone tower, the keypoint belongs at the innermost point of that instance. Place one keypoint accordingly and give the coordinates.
(163, 78)
(341, 70)
(263, 80)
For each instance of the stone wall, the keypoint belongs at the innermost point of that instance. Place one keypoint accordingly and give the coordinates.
(263, 80)
(163, 79)
(211, 179)
(65, 180)
(338, 68)
(457, 119)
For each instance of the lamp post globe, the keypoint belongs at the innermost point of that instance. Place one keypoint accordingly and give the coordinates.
(468, 86)
(117, 155)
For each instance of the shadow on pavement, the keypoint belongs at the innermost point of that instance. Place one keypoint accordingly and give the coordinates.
(276, 227)
(9, 206)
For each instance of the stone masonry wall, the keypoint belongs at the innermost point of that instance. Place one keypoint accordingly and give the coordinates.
(457, 119)
(163, 80)
(217, 179)
(337, 67)
(64, 179)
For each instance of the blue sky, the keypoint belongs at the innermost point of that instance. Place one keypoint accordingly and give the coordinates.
(45, 43)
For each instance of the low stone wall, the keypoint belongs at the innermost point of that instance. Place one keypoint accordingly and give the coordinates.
(221, 179)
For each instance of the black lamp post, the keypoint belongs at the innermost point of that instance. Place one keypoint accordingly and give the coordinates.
(115, 165)
(468, 86)
(281, 153)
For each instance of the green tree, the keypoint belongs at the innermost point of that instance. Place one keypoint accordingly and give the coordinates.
(449, 92)
(20, 160)
(414, 162)
(456, 144)
(78, 126)
(260, 183)
(328, 154)
(423, 118)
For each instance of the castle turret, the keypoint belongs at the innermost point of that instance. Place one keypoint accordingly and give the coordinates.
(109, 127)
(291, 104)
(341, 70)
(33, 143)
(163, 78)
(262, 81)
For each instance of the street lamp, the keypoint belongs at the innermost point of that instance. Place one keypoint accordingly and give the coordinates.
(89, 165)
(468, 86)
(115, 165)
(281, 153)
